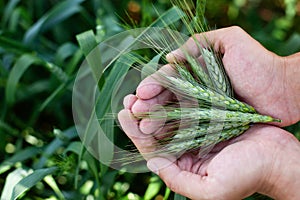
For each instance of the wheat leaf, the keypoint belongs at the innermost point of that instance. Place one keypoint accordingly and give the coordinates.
(61, 138)
(11, 180)
(63, 52)
(30, 180)
(13, 46)
(8, 11)
(22, 64)
(59, 13)
(88, 43)
(19, 157)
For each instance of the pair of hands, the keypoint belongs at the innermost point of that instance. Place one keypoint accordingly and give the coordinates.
(264, 160)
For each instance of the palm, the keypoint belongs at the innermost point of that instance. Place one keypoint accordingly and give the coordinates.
(255, 81)
(232, 172)
(228, 159)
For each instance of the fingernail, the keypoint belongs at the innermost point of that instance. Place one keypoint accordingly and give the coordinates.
(153, 167)
(129, 101)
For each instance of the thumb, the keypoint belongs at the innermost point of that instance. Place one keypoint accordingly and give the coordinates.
(193, 45)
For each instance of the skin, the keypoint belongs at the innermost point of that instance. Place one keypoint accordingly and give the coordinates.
(266, 159)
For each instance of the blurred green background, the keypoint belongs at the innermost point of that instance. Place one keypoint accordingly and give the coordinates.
(40, 56)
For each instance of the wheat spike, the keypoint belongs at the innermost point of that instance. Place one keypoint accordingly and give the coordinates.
(193, 115)
(204, 141)
(217, 75)
(207, 95)
(204, 129)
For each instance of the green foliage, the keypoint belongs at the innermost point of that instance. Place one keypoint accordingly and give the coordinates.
(42, 47)
(16, 185)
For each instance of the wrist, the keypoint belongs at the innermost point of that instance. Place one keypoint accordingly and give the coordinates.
(283, 178)
(292, 84)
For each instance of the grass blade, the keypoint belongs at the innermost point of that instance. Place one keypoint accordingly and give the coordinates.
(8, 11)
(22, 64)
(115, 76)
(29, 181)
(64, 52)
(87, 42)
(6, 128)
(60, 140)
(19, 157)
(56, 93)
(11, 180)
(59, 13)
(74, 147)
(106, 150)
(13, 46)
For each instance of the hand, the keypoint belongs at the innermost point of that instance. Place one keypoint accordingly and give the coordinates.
(265, 159)
(258, 76)
(253, 162)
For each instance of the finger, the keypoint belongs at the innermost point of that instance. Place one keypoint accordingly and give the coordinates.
(158, 126)
(152, 85)
(129, 100)
(191, 47)
(185, 183)
(191, 162)
(164, 132)
(142, 106)
(144, 143)
(149, 126)
(201, 61)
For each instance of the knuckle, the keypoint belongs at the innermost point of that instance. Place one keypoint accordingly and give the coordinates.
(236, 29)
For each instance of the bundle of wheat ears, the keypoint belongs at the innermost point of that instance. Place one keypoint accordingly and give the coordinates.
(205, 111)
